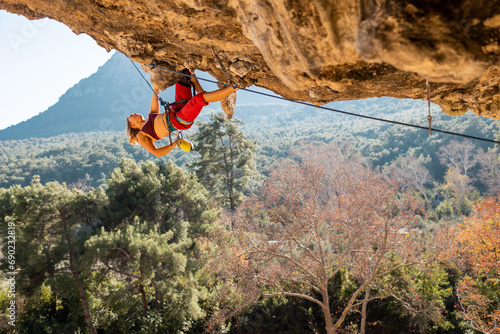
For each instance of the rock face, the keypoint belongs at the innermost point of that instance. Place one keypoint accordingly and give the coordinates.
(315, 51)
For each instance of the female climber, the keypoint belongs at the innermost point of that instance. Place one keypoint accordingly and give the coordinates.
(158, 125)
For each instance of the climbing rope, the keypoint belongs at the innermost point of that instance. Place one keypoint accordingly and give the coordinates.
(157, 96)
(327, 108)
(163, 103)
(429, 117)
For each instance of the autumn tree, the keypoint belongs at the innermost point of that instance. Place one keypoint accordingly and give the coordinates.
(226, 161)
(412, 174)
(490, 170)
(315, 218)
(460, 158)
(479, 245)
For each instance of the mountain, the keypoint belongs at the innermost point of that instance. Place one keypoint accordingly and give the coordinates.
(100, 102)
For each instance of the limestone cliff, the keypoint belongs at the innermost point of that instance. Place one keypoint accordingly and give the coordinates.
(310, 50)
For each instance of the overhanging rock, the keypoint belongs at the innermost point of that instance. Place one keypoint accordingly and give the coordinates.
(314, 51)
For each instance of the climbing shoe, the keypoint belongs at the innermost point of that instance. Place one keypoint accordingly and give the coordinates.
(185, 144)
(185, 81)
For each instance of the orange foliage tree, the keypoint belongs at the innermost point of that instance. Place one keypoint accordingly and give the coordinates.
(312, 220)
(479, 291)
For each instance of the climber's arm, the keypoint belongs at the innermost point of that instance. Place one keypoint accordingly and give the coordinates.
(155, 106)
(148, 144)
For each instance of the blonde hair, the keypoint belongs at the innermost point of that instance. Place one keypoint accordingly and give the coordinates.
(132, 133)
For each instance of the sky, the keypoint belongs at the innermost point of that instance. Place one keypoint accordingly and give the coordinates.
(39, 61)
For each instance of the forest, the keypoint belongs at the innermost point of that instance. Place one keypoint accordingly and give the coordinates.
(284, 220)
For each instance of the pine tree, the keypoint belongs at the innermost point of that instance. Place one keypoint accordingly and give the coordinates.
(149, 245)
(134, 190)
(152, 266)
(227, 159)
(185, 199)
(51, 223)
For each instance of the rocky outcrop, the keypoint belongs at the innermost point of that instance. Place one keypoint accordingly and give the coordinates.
(315, 51)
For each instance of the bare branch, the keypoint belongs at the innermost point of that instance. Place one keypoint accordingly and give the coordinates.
(123, 251)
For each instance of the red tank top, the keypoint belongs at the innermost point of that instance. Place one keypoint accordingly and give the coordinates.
(149, 126)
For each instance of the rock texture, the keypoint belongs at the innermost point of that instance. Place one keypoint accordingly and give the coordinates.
(315, 50)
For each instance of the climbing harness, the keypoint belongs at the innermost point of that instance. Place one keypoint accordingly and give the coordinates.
(325, 108)
(429, 117)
